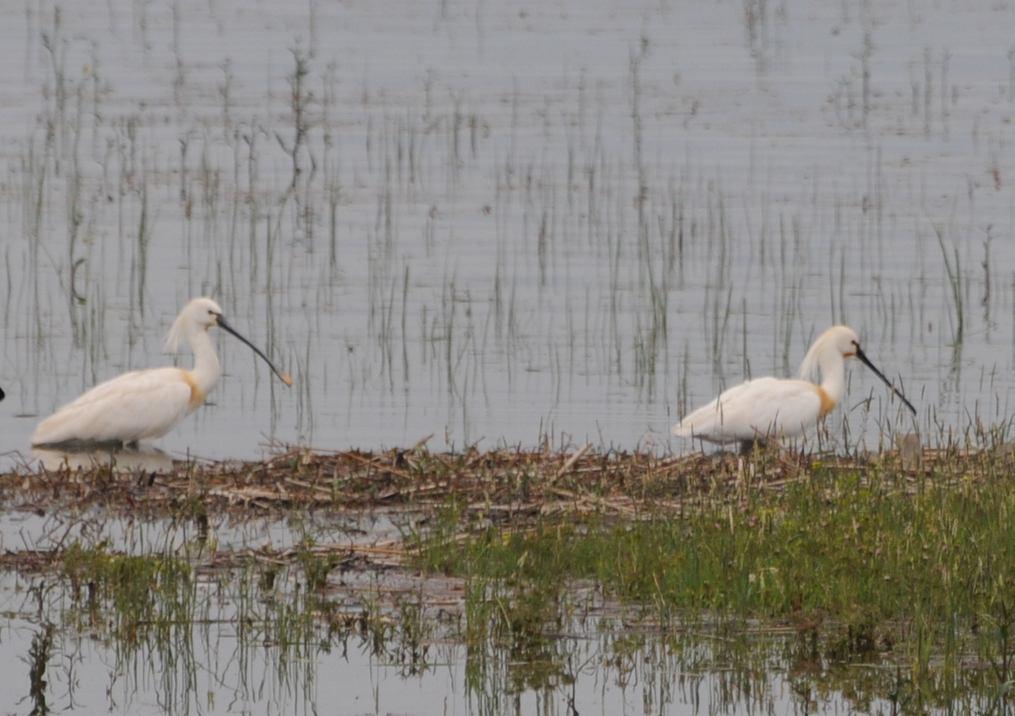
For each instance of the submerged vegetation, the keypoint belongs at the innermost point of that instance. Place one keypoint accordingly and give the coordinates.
(884, 578)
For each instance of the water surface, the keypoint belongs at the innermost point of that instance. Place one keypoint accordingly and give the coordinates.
(504, 221)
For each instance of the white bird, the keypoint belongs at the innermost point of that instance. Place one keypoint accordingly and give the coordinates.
(146, 404)
(782, 407)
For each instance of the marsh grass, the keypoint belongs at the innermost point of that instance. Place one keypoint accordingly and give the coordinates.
(39, 655)
(140, 591)
(875, 563)
(877, 578)
(162, 616)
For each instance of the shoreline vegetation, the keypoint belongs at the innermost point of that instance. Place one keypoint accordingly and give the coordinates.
(900, 559)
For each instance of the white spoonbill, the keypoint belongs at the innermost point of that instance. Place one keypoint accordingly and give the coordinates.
(146, 404)
(782, 407)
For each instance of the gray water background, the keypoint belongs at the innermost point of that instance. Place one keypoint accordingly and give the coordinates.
(507, 220)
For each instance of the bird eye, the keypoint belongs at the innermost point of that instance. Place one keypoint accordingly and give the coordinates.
(211, 312)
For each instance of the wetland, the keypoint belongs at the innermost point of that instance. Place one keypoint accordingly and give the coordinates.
(501, 248)
(517, 581)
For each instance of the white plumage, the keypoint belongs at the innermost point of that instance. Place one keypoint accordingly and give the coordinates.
(146, 404)
(755, 409)
(776, 407)
(139, 405)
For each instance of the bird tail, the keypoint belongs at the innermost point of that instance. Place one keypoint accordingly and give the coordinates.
(682, 429)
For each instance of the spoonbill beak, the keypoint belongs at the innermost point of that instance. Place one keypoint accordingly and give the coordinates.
(285, 377)
(867, 362)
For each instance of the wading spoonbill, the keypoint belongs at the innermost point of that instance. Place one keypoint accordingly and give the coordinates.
(782, 407)
(146, 404)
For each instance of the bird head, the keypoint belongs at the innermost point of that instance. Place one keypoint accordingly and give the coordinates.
(204, 312)
(837, 340)
(198, 315)
(843, 341)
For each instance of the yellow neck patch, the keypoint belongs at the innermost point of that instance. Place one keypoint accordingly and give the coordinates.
(827, 404)
(196, 394)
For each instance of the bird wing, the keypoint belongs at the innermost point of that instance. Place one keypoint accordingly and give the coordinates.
(136, 405)
(753, 409)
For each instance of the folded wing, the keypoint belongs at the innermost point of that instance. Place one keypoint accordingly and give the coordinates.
(134, 406)
(765, 407)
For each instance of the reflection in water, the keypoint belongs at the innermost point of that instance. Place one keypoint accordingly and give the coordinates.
(144, 458)
(156, 631)
(39, 655)
(264, 655)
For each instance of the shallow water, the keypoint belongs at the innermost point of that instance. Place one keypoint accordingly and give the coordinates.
(372, 639)
(232, 658)
(194, 538)
(510, 220)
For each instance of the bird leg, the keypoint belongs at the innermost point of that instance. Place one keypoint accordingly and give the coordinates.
(759, 443)
(747, 446)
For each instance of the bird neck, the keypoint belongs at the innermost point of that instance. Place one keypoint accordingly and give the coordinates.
(206, 361)
(833, 375)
